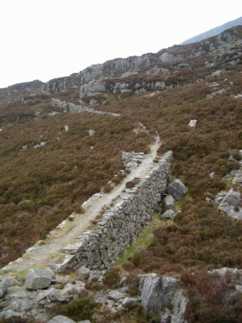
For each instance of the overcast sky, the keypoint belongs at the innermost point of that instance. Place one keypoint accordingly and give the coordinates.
(44, 39)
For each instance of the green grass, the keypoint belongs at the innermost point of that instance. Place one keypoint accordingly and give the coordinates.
(143, 241)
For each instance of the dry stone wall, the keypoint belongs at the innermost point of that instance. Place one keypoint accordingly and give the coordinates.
(33, 294)
(120, 224)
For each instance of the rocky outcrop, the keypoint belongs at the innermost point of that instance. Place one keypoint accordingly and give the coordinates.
(163, 298)
(230, 203)
(140, 74)
(177, 189)
(18, 92)
(60, 319)
(66, 107)
(119, 86)
(39, 279)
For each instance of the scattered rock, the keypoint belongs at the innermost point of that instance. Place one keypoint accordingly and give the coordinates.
(229, 202)
(192, 123)
(231, 198)
(169, 202)
(83, 273)
(66, 128)
(40, 145)
(130, 301)
(163, 297)
(95, 276)
(116, 295)
(217, 73)
(168, 214)
(10, 314)
(177, 189)
(39, 279)
(238, 96)
(3, 289)
(91, 132)
(131, 160)
(60, 319)
(71, 291)
(211, 175)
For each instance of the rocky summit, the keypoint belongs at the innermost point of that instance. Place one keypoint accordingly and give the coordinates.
(120, 190)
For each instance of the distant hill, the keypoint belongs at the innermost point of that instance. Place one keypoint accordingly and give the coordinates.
(215, 31)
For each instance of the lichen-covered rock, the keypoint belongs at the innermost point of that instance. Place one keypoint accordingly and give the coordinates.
(162, 296)
(73, 290)
(151, 290)
(60, 319)
(39, 279)
(177, 189)
(168, 214)
(230, 203)
(10, 315)
(116, 295)
(169, 202)
(3, 288)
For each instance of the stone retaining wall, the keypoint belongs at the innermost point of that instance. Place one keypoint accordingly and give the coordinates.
(120, 224)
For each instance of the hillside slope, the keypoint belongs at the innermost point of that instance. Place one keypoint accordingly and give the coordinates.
(64, 141)
(215, 31)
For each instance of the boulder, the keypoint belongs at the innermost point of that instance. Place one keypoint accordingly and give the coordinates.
(5, 284)
(39, 279)
(192, 123)
(116, 295)
(10, 315)
(177, 189)
(71, 291)
(229, 202)
(168, 214)
(3, 289)
(60, 319)
(232, 198)
(162, 296)
(130, 302)
(169, 202)
(151, 289)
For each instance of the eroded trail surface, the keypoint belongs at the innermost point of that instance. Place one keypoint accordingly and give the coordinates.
(52, 250)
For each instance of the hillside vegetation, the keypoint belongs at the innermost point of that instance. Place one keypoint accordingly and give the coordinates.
(52, 160)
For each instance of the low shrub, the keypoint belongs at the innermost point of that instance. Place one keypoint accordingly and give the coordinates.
(112, 278)
(79, 309)
(211, 299)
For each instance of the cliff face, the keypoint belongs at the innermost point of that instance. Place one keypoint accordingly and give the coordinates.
(17, 92)
(140, 74)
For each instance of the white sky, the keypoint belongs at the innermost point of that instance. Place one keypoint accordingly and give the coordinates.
(44, 39)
